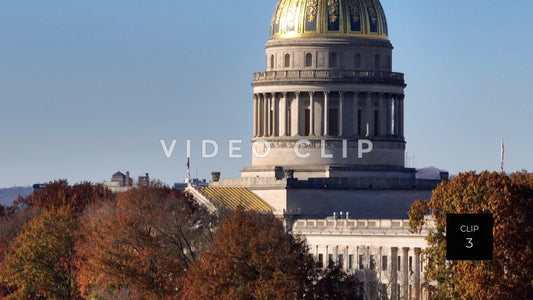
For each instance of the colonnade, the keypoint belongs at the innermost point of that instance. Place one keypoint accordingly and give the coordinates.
(328, 114)
(402, 266)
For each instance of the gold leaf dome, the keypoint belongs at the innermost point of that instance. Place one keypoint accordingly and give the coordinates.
(329, 18)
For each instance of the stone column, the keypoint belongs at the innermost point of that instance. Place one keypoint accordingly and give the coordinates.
(401, 117)
(326, 113)
(396, 116)
(260, 115)
(283, 115)
(405, 272)
(319, 113)
(388, 101)
(295, 115)
(418, 296)
(265, 115)
(275, 120)
(355, 114)
(268, 115)
(255, 116)
(394, 272)
(382, 98)
(311, 113)
(346, 254)
(341, 112)
(336, 254)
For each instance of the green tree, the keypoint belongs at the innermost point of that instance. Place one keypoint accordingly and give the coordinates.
(40, 262)
(252, 257)
(510, 199)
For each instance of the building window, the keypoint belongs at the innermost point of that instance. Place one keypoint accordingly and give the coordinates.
(333, 60)
(307, 122)
(287, 60)
(357, 61)
(399, 263)
(272, 62)
(384, 263)
(410, 264)
(333, 126)
(271, 123)
(359, 122)
(377, 63)
(361, 262)
(320, 260)
(309, 60)
(288, 123)
(341, 261)
(330, 260)
(372, 262)
(350, 262)
(376, 123)
(384, 295)
(399, 292)
(393, 118)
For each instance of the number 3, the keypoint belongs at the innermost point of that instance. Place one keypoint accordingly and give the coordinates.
(469, 244)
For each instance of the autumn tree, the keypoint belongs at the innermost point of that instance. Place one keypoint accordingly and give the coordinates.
(142, 243)
(40, 261)
(509, 274)
(12, 221)
(59, 194)
(252, 257)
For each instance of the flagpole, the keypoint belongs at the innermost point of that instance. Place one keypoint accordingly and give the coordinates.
(188, 170)
(502, 156)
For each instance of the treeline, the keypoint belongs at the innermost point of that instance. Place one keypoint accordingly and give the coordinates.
(152, 242)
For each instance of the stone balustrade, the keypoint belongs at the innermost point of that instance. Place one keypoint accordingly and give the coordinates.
(327, 75)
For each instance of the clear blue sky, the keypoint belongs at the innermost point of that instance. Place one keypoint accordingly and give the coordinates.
(90, 87)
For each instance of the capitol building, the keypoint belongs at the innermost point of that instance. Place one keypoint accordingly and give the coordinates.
(329, 145)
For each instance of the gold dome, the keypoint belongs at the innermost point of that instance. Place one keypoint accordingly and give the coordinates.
(329, 18)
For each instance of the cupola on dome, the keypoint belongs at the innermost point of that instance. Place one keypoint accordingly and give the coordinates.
(329, 18)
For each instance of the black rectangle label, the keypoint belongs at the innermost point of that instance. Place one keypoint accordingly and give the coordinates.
(469, 236)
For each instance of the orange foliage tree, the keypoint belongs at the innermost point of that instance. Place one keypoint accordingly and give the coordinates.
(40, 262)
(510, 199)
(252, 257)
(59, 194)
(141, 245)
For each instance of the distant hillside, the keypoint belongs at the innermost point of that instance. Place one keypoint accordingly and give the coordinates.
(428, 173)
(8, 195)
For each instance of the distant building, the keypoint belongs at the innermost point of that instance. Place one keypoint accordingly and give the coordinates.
(194, 182)
(121, 182)
(121, 179)
(143, 180)
(38, 187)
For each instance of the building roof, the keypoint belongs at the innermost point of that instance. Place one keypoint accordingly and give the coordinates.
(337, 19)
(232, 197)
(119, 174)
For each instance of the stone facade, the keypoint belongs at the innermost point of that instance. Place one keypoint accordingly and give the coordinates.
(384, 254)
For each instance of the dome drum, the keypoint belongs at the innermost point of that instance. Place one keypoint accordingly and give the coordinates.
(329, 78)
(329, 54)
